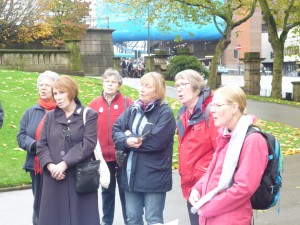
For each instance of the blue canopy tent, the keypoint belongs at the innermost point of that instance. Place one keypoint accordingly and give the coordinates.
(137, 29)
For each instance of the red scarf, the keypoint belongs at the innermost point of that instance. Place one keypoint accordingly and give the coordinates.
(47, 105)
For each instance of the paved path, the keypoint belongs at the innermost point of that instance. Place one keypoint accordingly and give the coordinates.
(288, 115)
(16, 206)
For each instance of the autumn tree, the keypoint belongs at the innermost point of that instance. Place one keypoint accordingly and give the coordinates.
(225, 15)
(66, 18)
(15, 14)
(280, 16)
(48, 21)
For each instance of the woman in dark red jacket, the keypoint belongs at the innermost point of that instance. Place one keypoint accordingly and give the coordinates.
(196, 131)
(110, 105)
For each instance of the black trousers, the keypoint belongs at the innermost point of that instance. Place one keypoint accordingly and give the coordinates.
(36, 184)
(108, 195)
(194, 218)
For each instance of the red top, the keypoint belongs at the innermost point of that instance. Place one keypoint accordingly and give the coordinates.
(107, 115)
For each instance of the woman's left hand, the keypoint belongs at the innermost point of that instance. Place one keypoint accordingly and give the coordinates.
(134, 142)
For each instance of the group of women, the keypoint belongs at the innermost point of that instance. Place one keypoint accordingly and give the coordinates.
(210, 127)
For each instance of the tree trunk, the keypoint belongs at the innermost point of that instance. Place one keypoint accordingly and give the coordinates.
(221, 46)
(212, 78)
(277, 72)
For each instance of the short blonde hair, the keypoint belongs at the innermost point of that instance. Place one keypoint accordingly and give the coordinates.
(233, 94)
(157, 81)
(67, 84)
(195, 79)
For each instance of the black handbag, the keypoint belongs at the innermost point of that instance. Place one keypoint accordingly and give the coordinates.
(120, 156)
(87, 177)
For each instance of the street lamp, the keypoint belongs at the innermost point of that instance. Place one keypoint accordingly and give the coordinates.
(148, 42)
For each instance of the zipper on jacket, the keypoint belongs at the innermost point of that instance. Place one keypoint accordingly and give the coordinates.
(108, 144)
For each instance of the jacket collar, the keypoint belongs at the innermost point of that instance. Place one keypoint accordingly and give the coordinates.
(198, 114)
(138, 104)
(60, 115)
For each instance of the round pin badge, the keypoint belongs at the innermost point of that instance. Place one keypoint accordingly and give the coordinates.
(116, 106)
(101, 109)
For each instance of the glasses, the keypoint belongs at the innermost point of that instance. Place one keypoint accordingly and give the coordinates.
(217, 106)
(111, 82)
(182, 86)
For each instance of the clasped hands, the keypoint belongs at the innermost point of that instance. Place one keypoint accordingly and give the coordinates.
(194, 198)
(57, 171)
(133, 142)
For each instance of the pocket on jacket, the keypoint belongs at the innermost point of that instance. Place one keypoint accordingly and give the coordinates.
(198, 173)
(158, 166)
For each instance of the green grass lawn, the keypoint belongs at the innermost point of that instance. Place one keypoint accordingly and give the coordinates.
(18, 92)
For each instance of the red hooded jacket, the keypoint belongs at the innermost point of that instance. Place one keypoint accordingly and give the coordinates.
(107, 115)
(197, 143)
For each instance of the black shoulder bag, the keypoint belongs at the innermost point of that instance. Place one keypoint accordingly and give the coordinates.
(87, 175)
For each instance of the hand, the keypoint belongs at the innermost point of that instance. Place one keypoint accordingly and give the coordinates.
(194, 197)
(57, 171)
(134, 142)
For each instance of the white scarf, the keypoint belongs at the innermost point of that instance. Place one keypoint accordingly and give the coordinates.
(230, 161)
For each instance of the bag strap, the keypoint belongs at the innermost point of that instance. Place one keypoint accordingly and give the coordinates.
(97, 151)
(84, 114)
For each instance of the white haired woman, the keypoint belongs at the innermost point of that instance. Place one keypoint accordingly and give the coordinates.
(30, 128)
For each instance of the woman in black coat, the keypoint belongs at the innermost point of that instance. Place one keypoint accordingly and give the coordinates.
(145, 132)
(64, 142)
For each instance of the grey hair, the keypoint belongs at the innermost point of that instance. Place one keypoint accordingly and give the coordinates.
(112, 72)
(47, 74)
(196, 79)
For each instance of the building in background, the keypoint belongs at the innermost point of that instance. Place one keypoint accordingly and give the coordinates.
(251, 36)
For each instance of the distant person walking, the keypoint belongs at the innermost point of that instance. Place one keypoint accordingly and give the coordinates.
(129, 67)
(109, 106)
(123, 65)
(30, 127)
(1, 115)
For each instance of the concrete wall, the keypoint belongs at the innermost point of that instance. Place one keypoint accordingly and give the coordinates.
(97, 51)
(35, 60)
(90, 56)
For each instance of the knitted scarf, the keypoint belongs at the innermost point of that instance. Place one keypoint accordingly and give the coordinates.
(47, 105)
(230, 162)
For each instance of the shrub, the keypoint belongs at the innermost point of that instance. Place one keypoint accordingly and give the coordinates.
(183, 62)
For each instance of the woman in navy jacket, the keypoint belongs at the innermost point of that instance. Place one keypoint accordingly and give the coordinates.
(28, 134)
(145, 131)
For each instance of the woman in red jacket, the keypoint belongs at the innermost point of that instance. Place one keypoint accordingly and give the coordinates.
(196, 131)
(222, 195)
(110, 105)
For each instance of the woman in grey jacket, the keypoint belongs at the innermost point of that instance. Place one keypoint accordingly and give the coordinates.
(145, 132)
